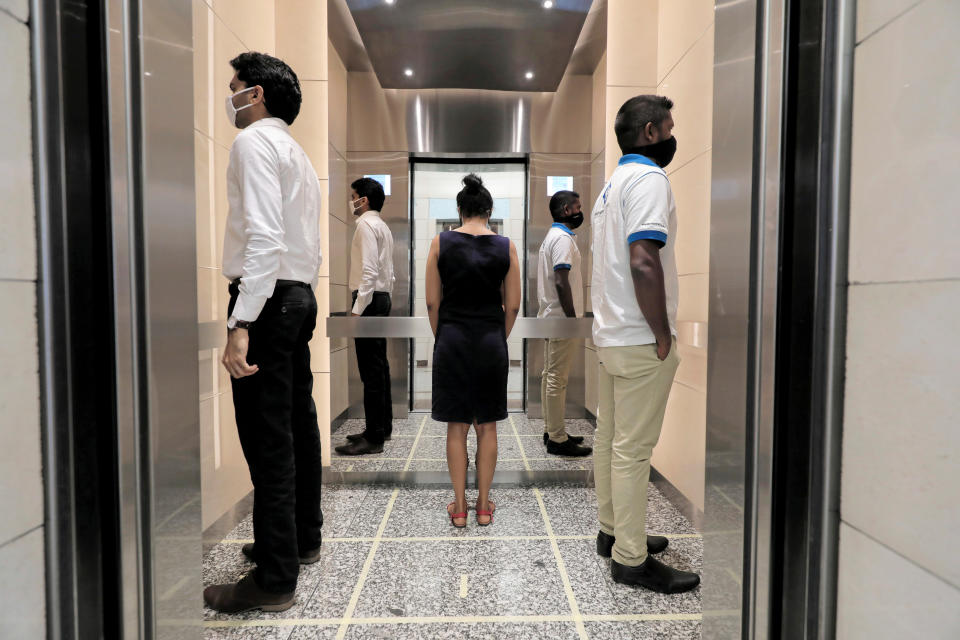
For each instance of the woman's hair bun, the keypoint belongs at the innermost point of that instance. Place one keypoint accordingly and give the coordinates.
(472, 182)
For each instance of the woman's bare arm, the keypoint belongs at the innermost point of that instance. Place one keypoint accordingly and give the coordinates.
(434, 288)
(511, 298)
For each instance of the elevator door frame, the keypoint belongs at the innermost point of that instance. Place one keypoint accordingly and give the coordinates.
(464, 158)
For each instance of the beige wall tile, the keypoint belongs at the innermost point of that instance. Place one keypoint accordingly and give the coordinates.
(324, 223)
(206, 202)
(339, 249)
(694, 298)
(301, 25)
(226, 47)
(18, 252)
(338, 383)
(598, 107)
(207, 303)
(874, 14)
(221, 160)
(690, 86)
(377, 120)
(590, 378)
(693, 368)
(19, 9)
(321, 398)
(339, 189)
(560, 121)
(337, 99)
(310, 127)
(901, 481)
(203, 40)
(632, 43)
(680, 454)
(23, 587)
(615, 98)
(253, 21)
(904, 191)
(882, 596)
(691, 191)
(320, 344)
(21, 482)
(680, 24)
(222, 488)
(208, 363)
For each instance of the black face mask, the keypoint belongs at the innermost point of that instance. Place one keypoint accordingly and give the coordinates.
(660, 152)
(573, 221)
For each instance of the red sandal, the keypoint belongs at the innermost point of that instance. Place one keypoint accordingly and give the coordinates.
(482, 512)
(455, 516)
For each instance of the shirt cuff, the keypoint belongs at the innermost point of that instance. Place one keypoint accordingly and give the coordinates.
(658, 236)
(361, 304)
(248, 307)
(562, 265)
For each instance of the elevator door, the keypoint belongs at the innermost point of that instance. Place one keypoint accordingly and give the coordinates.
(433, 193)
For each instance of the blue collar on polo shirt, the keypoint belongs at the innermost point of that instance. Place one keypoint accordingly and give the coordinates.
(563, 227)
(636, 158)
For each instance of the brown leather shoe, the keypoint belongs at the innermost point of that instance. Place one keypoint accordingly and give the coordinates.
(245, 596)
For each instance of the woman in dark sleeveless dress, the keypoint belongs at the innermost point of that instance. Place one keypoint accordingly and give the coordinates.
(473, 299)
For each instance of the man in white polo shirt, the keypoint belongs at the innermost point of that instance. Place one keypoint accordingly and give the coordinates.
(560, 293)
(634, 295)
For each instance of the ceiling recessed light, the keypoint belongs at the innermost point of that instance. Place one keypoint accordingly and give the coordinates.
(547, 4)
(389, 1)
(408, 72)
(529, 75)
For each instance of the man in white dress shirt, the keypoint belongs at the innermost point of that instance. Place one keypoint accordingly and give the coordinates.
(634, 293)
(271, 255)
(371, 283)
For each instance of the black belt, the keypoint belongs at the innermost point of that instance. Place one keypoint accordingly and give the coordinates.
(280, 283)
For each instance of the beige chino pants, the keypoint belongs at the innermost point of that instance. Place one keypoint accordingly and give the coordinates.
(633, 386)
(557, 360)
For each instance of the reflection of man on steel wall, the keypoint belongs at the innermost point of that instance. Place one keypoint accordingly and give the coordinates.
(371, 281)
(560, 292)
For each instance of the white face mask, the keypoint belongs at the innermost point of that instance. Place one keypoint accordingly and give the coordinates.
(232, 110)
(356, 205)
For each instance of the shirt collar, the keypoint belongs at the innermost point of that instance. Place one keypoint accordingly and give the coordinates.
(563, 227)
(372, 213)
(268, 122)
(636, 158)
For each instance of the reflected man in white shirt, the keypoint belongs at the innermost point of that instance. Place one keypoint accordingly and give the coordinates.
(371, 283)
(560, 294)
(271, 255)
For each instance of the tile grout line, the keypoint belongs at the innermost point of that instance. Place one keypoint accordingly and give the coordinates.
(561, 566)
(516, 435)
(362, 578)
(416, 441)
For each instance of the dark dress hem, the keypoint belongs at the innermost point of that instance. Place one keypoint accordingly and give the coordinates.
(434, 416)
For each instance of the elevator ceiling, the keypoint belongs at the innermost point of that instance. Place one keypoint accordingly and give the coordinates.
(507, 45)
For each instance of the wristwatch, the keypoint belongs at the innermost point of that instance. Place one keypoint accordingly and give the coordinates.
(233, 323)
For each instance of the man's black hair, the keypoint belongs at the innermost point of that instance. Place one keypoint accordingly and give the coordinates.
(371, 190)
(560, 200)
(634, 116)
(281, 89)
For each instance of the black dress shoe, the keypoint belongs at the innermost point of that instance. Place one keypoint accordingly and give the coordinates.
(309, 558)
(567, 448)
(577, 439)
(353, 437)
(654, 575)
(359, 448)
(655, 544)
(245, 596)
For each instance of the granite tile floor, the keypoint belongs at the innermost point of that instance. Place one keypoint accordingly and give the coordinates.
(419, 444)
(393, 567)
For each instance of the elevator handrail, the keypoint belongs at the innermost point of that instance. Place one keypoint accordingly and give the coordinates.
(419, 327)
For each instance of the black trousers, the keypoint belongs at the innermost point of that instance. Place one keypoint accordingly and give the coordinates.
(375, 374)
(277, 424)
